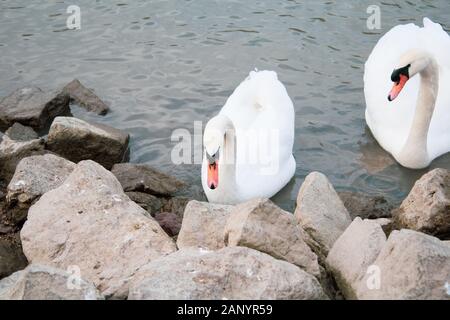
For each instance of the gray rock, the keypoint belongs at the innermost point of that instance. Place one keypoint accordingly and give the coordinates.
(170, 222)
(230, 273)
(385, 224)
(11, 152)
(33, 107)
(78, 140)
(19, 132)
(11, 258)
(321, 213)
(35, 176)
(353, 252)
(85, 97)
(150, 203)
(96, 227)
(39, 282)
(364, 206)
(427, 207)
(261, 225)
(203, 225)
(411, 265)
(176, 205)
(142, 178)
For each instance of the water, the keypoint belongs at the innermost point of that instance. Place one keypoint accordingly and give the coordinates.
(162, 65)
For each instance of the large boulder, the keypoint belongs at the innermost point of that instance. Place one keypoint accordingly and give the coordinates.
(203, 225)
(411, 265)
(353, 253)
(85, 98)
(261, 225)
(89, 222)
(321, 213)
(12, 151)
(143, 178)
(365, 206)
(230, 273)
(33, 177)
(20, 132)
(33, 107)
(427, 207)
(39, 282)
(11, 257)
(149, 202)
(78, 140)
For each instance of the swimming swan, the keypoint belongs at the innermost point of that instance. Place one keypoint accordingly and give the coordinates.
(412, 122)
(248, 145)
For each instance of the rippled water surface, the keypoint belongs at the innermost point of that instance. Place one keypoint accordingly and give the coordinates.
(162, 65)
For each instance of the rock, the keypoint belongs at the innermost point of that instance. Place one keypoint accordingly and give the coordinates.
(78, 140)
(11, 258)
(85, 97)
(261, 225)
(39, 282)
(142, 178)
(35, 176)
(176, 205)
(203, 225)
(19, 132)
(230, 273)
(427, 207)
(170, 222)
(146, 201)
(385, 224)
(95, 227)
(364, 206)
(33, 107)
(411, 266)
(11, 152)
(353, 252)
(321, 213)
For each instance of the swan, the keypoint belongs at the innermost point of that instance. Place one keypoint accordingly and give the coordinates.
(412, 122)
(248, 145)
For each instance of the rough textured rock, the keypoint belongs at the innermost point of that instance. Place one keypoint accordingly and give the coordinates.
(321, 213)
(78, 140)
(35, 176)
(261, 225)
(11, 152)
(427, 207)
(142, 178)
(230, 273)
(412, 265)
(176, 205)
(203, 225)
(353, 252)
(32, 107)
(364, 206)
(85, 97)
(39, 282)
(150, 203)
(11, 258)
(170, 222)
(19, 132)
(121, 237)
(386, 224)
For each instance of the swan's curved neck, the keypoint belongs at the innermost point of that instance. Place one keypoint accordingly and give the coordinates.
(415, 151)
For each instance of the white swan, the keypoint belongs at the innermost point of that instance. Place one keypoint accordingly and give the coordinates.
(415, 127)
(248, 145)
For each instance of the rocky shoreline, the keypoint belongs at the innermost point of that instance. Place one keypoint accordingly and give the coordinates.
(71, 205)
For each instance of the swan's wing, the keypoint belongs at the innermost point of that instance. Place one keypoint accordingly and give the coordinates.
(390, 121)
(437, 41)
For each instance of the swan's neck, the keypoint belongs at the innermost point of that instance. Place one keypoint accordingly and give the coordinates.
(227, 169)
(415, 151)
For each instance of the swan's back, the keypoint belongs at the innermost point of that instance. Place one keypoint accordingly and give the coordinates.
(261, 105)
(390, 122)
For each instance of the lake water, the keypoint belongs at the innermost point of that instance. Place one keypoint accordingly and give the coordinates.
(161, 65)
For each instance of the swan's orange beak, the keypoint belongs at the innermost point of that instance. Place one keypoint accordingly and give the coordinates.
(398, 86)
(213, 175)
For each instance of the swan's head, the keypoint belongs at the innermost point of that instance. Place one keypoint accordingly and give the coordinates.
(410, 64)
(214, 138)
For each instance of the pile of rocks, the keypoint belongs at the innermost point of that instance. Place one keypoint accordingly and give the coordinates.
(79, 223)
